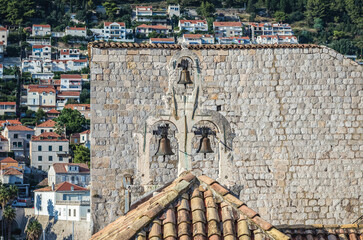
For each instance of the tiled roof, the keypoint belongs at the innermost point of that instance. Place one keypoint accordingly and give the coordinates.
(196, 35)
(193, 21)
(227, 24)
(41, 46)
(79, 60)
(102, 44)
(77, 106)
(86, 132)
(62, 187)
(191, 208)
(109, 23)
(73, 76)
(3, 29)
(324, 232)
(8, 160)
(76, 28)
(49, 137)
(46, 89)
(162, 39)
(8, 103)
(43, 183)
(66, 94)
(12, 171)
(19, 128)
(144, 8)
(48, 123)
(3, 139)
(53, 111)
(61, 167)
(235, 38)
(153, 26)
(10, 122)
(41, 25)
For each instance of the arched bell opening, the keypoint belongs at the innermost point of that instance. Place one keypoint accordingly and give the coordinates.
(163, 167)
(205, 151)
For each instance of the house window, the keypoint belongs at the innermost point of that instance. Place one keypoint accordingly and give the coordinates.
(60, 148)
(83, 178)
(72, 179)
(28, 136)
(70, 212)
(40, 167)
(27, 145)
(39, 148)
(40, 158)
(63, 178)
(50, 148)
(15, 135)
(50, 158)
(15, 144)
(41, 131)
(61, 159)
(74, 212)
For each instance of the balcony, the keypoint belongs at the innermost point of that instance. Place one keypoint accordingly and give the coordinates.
(73, 202)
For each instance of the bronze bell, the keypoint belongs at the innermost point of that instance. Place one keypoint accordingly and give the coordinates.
(205, 146)
(164, 148)
(185, 77)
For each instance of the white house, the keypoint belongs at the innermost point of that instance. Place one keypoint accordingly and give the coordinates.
(7, 108)
(198, 38)
(41, 30)
(268, 29)
(64, 201)
(18, 137)
(85, 137)
(47, 126)
(71, 82)
(75, 173)
(114, 30)
(174, 10)
(41, 96)
(148, 14)
(76, 31)
(69, 65)
(234, 40)
(288, 39)
(162, 40)
(193, 25)
(267, 39)
(227, 29)
(39, 67)
(69, 54)
(4, 147)
(32, 66)
(48, 148)
(11, 176)
(64, 96)
(41, 52)
(4, 33)
(146, 29)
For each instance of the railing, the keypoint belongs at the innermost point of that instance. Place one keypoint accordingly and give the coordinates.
(73, 202)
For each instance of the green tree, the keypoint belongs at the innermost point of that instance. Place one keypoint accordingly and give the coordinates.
(10, 215)
(72, 120)
(81, 154)
(317, 9)
(39, 115)
(251, 8)
(280, 16)
(33, 230)
(206, 9)
(7, 194)
(318, 24)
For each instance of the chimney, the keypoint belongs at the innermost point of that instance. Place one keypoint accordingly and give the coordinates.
(53, 187)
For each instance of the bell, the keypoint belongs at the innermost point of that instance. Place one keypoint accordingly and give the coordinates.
(185, 78)
(164, 148)
(205, 146)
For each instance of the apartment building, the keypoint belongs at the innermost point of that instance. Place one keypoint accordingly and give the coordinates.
(69, 54)
(47, 126)
(174, 10)
(146, 29)
(4, 33)
(147, 14)
(234, 40)
(41, 96)
(269, 29)
(19, 137)
(193, 25)
(41, 30)
(114, 30)
(75, 173)
(48, 66)
(64, 96)
(227, 29)
(41, 52)
(7, 108)
(71, 82)
(162, 40)
(198, 38)
(4, 147)
(76, 31)
(48, 148)
(276, 39)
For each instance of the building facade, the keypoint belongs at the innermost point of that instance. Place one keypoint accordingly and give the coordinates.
(7, 108)
(227, 29)
(198, 38)
(192, 26)
(146, 29)
(19, 138)
(47, 126)
(69, 54)
(71, 82)
(41, 96)
(41, 52)
(76, 31)
(48, 148)
(75, 173)
(41, 30)
(234, 40)
(4, 33)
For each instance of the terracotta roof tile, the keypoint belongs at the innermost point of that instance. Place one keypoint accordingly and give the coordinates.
(10, 122)
(61, 167)
(8, 160)
(49, 137)
(41, 25)
(106, 24)
(53, 111)
(43, 183)
(62, 187)
(76, 28)
(152, 26)
(227, 24)
(19, 128)
(189, 209)
(71, 76)
(12, 171)
(8, 103)
(86, 132)
(48, 123)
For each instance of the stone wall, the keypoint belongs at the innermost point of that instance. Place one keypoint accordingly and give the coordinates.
(291, 119)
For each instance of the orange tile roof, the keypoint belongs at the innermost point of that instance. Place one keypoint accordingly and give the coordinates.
(227, 24)
(62, 187)
(8, 160)
(49, 137)
(190, 208)
(7, 103)
(3, 139)
(193, 21)
(41, 89)
(41, 25)
(106, 24)
(162, 39)
(19, 128)
(53, 111)
(48, 123)
(153, 27)
(66, 94)
(61, 167)
(323, 232)
(3, 29)
(40, 46)
(144, 8)
(86, 132)
(76, 28)
(71, 76)
(73, 106)
(12, 171)
(197, 35)
(10, 122)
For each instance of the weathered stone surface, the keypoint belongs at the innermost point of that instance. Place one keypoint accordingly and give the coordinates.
(295, 114)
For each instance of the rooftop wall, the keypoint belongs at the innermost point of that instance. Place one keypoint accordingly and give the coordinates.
(291, 118)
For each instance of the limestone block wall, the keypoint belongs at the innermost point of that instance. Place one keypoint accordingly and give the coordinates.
(293, 118)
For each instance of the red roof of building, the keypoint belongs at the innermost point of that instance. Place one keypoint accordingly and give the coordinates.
(48, 123)
(76, 106)
(49, 137)
(86, 132)
(8, 160)
(268, 36)
(66, 94)
(47, 89)
(10, 122)
(234, 38)
(193, 21)
(77, 28)
(1, 66)
(61, 167)
(41, 25)
(3, 29)
(144, 8)
(62, 187)
(153, 26)
(53, 111)
(7, 103)
(106, 24)
(80, 60)
(162, 39)
(71, 76)
(40, 46)
(12, 171)
(196, 35)
(19, 128)
(227, 24)
(3, 139)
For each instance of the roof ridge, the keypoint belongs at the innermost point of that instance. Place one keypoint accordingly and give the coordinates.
(241, 207)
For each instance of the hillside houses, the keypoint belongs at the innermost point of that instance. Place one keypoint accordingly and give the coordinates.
(41, 30)
(76, 31)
